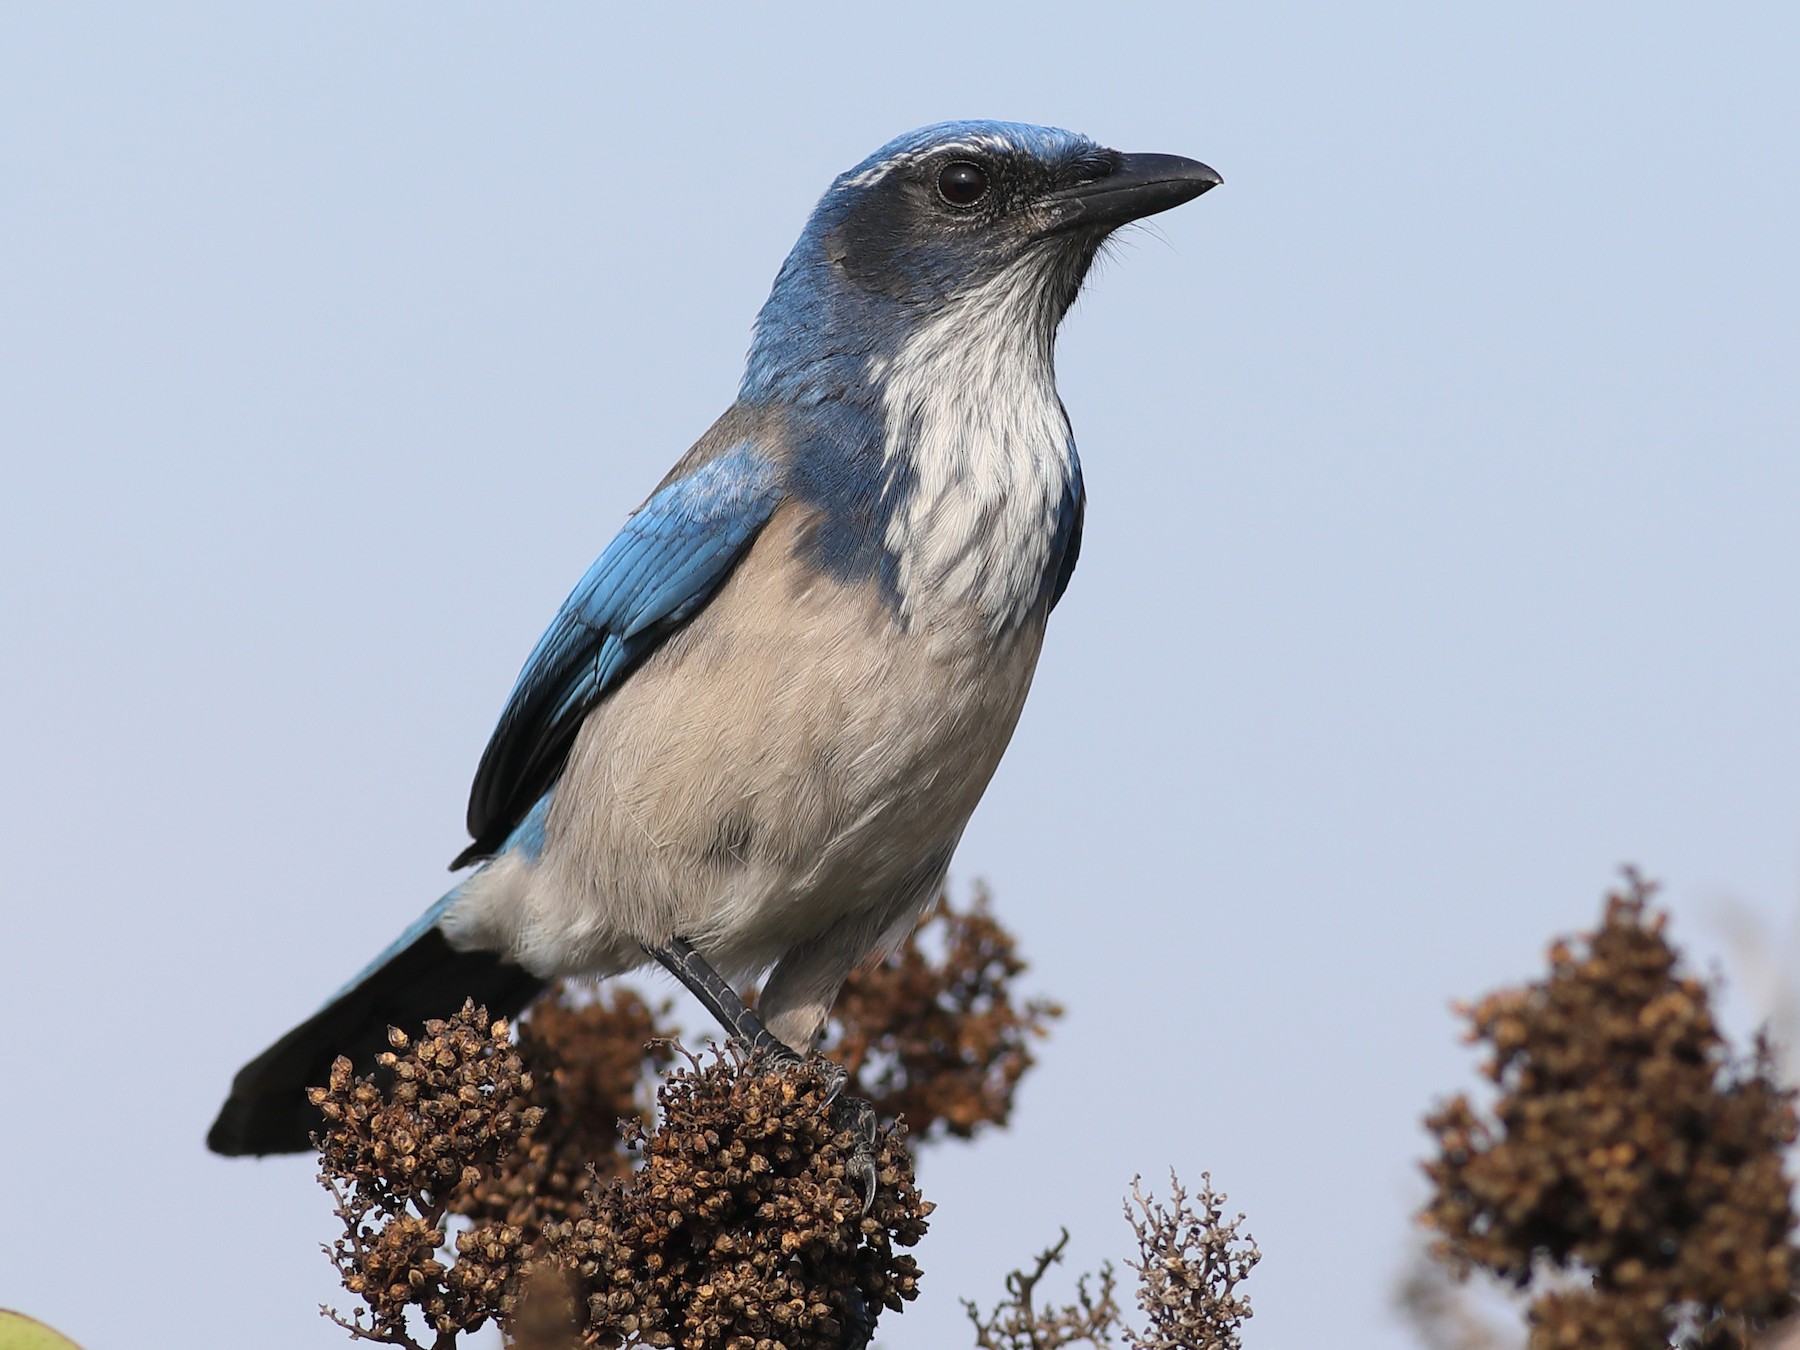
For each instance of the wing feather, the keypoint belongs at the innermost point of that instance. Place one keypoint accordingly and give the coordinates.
(656, 574)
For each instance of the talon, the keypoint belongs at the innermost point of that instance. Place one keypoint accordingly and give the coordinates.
(836, 1077)
(857, 1116)
(871, 1180)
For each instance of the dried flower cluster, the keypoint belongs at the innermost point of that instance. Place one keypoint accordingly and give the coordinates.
(1191, 1260)
(731, 1225)
(1190, 1264)
(593, 1067)
(740, 1231)
(394, 1154)
(1630, 1171)
(940, 1042)
(743, 1229)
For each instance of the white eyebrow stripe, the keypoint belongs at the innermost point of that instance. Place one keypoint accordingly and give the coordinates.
(873, 174)
(876, 172)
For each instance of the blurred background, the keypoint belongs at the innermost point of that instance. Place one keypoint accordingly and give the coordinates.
(1442, 555)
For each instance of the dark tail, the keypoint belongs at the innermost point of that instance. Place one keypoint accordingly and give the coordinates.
(420, 977)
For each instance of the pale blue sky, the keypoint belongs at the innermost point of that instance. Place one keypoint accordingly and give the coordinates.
(1442, 554)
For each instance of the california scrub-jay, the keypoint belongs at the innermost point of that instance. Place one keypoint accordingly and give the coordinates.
(752, 736)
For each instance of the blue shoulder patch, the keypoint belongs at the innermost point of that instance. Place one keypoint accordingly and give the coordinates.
(657, 573)
(838, 467)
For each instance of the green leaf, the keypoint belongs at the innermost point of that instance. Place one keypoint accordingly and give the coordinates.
(19, 1332)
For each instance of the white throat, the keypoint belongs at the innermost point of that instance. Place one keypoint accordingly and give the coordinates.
(971, 414)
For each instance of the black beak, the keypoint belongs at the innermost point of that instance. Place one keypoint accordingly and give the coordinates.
(1138, 186)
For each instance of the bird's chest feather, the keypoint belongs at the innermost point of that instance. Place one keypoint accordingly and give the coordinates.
(980, 467)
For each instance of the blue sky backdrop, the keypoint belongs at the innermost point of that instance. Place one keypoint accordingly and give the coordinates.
(1442, 555)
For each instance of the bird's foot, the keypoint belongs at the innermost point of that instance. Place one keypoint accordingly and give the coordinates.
(849, 1114)
(772, 1056)
(857, 1117)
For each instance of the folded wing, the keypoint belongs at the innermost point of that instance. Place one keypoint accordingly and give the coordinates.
(662, 568)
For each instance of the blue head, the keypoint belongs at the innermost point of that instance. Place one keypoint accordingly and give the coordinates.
(934, 217)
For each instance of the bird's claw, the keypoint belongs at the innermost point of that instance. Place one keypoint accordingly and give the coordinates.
(851, 1114)
(836, 1077)
(857, 1117)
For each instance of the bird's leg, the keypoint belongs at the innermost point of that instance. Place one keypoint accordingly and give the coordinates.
(771, 1052)
(722, 1001)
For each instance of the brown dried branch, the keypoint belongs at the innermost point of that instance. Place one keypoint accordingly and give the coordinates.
(1630, 1171)
(594, 1065)
(730, 1221)
(741, 1227)
(940, 1041)
(393, 1154)
(1018, 1324)
(1191, 1262)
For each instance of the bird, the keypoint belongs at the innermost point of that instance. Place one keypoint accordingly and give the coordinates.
(749, 741)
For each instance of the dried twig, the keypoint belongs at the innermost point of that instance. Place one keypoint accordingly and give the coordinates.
(1191, 1262)
(1018, 1324)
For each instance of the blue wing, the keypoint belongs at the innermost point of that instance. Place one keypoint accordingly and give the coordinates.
(1067, 543)
(663, 566)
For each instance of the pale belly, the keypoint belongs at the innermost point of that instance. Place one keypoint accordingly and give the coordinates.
(795, 756)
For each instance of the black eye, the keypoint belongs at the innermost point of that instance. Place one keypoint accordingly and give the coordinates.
(962, 183)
